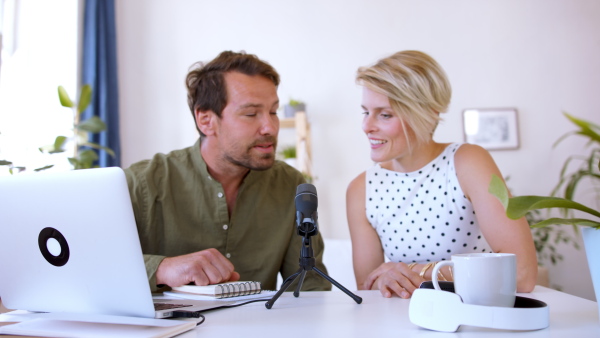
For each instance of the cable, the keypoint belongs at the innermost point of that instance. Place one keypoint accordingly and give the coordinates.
(189, 314)
(198, 314)
(237, 304)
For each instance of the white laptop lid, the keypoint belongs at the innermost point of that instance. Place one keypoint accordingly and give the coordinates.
(87, 211)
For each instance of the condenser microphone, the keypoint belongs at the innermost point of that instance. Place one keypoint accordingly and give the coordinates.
(306, 210)
(306, 222)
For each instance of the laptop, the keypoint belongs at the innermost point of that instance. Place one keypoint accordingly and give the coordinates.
(69, 243)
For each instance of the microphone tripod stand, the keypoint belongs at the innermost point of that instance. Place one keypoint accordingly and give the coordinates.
(307, 263)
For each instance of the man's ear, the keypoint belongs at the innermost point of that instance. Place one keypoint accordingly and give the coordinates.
(206, 121)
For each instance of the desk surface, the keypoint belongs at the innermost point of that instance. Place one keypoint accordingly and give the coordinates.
(334, 314)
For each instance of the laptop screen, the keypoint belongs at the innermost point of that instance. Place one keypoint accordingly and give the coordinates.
(69, 243)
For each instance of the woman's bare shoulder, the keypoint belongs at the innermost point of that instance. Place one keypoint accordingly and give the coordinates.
(471, 156)
(358, 183)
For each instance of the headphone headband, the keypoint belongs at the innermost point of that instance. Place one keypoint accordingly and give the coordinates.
(445, 311)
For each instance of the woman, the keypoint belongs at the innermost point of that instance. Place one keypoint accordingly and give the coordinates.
(423, 201)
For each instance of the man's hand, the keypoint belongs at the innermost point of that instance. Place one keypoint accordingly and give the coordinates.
(203, 268)
(393, 278)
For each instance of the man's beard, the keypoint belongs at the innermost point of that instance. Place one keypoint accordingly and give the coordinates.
(260, 162)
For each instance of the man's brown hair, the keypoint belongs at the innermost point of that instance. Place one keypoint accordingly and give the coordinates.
(206, 82)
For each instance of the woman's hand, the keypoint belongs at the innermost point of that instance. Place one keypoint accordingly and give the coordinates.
(393, 278)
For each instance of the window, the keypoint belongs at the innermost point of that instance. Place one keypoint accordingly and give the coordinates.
(39, 53)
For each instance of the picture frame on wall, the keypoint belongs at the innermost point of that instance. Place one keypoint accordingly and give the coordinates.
(491, 128)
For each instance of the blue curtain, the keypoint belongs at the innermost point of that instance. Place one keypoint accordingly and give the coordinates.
(99, 69)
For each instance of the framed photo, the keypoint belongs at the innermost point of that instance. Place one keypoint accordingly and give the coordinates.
(492, 128)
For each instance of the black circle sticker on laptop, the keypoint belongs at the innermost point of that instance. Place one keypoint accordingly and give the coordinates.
(54, 246)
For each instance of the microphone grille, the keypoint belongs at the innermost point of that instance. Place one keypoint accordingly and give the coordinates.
(306, 188)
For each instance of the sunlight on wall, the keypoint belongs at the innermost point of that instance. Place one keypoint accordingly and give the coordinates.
(39, 54)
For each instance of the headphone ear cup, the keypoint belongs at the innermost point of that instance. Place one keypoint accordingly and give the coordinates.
(63, 257)
(444, 311)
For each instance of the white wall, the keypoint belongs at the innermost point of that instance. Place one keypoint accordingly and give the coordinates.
(539, 56)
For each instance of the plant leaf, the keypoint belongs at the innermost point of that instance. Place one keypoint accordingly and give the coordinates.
(57, 147)
(85, 97)
(92, 125)
(520, 205)
(59, 142)
(99, 147)
(17, 169)
(586, 127)
(87, 158)
(560, 139)
(571, 221)
(5, 162)
(64, 98)
(44, 168)
(582, 123)
(498, 189)
(562, 179)
(74, 161)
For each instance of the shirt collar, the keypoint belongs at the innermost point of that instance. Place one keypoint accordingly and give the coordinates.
(198, 161)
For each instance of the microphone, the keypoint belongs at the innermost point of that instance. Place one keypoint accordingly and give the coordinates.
(306, 210)
(306, 222)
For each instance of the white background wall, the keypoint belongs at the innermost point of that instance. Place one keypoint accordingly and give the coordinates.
(541, 57)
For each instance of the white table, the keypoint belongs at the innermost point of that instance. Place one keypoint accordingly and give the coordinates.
(334, 314)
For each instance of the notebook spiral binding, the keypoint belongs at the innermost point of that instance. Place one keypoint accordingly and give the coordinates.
(238, 289)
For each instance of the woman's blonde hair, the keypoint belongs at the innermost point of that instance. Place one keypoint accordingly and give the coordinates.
(417, 87)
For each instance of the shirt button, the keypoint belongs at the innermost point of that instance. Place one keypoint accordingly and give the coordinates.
(225, 227)
(228, 255)
(220, 194)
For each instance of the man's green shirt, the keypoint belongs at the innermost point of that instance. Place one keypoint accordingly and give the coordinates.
(180, 209)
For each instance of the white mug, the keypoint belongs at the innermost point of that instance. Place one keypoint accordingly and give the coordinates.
(488, 279)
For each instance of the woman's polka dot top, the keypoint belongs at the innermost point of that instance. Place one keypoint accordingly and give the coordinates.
(422, 216)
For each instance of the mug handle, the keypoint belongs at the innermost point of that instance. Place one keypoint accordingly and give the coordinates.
(434, 273)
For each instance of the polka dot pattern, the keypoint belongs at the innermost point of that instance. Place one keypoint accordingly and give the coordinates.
(422, 216)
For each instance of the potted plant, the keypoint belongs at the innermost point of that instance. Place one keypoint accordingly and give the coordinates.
(292, 107)
(289, 155)
(519, 206)
(83, 156)
(546, 240)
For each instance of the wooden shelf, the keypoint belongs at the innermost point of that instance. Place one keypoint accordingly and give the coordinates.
(303, 147)
(289, 122)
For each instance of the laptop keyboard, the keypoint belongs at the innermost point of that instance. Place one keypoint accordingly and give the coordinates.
(167, 306)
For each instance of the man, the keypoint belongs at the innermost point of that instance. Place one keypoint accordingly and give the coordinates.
(223, 209)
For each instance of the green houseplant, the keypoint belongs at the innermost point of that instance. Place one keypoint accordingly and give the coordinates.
(588, 169)
(288, 152)
(292, 107)
(546, 241)
(517, 207)
(84, 156)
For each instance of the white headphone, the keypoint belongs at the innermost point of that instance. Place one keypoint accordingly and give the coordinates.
(445, 311)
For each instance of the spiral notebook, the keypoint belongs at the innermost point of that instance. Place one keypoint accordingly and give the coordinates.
(221, 290)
